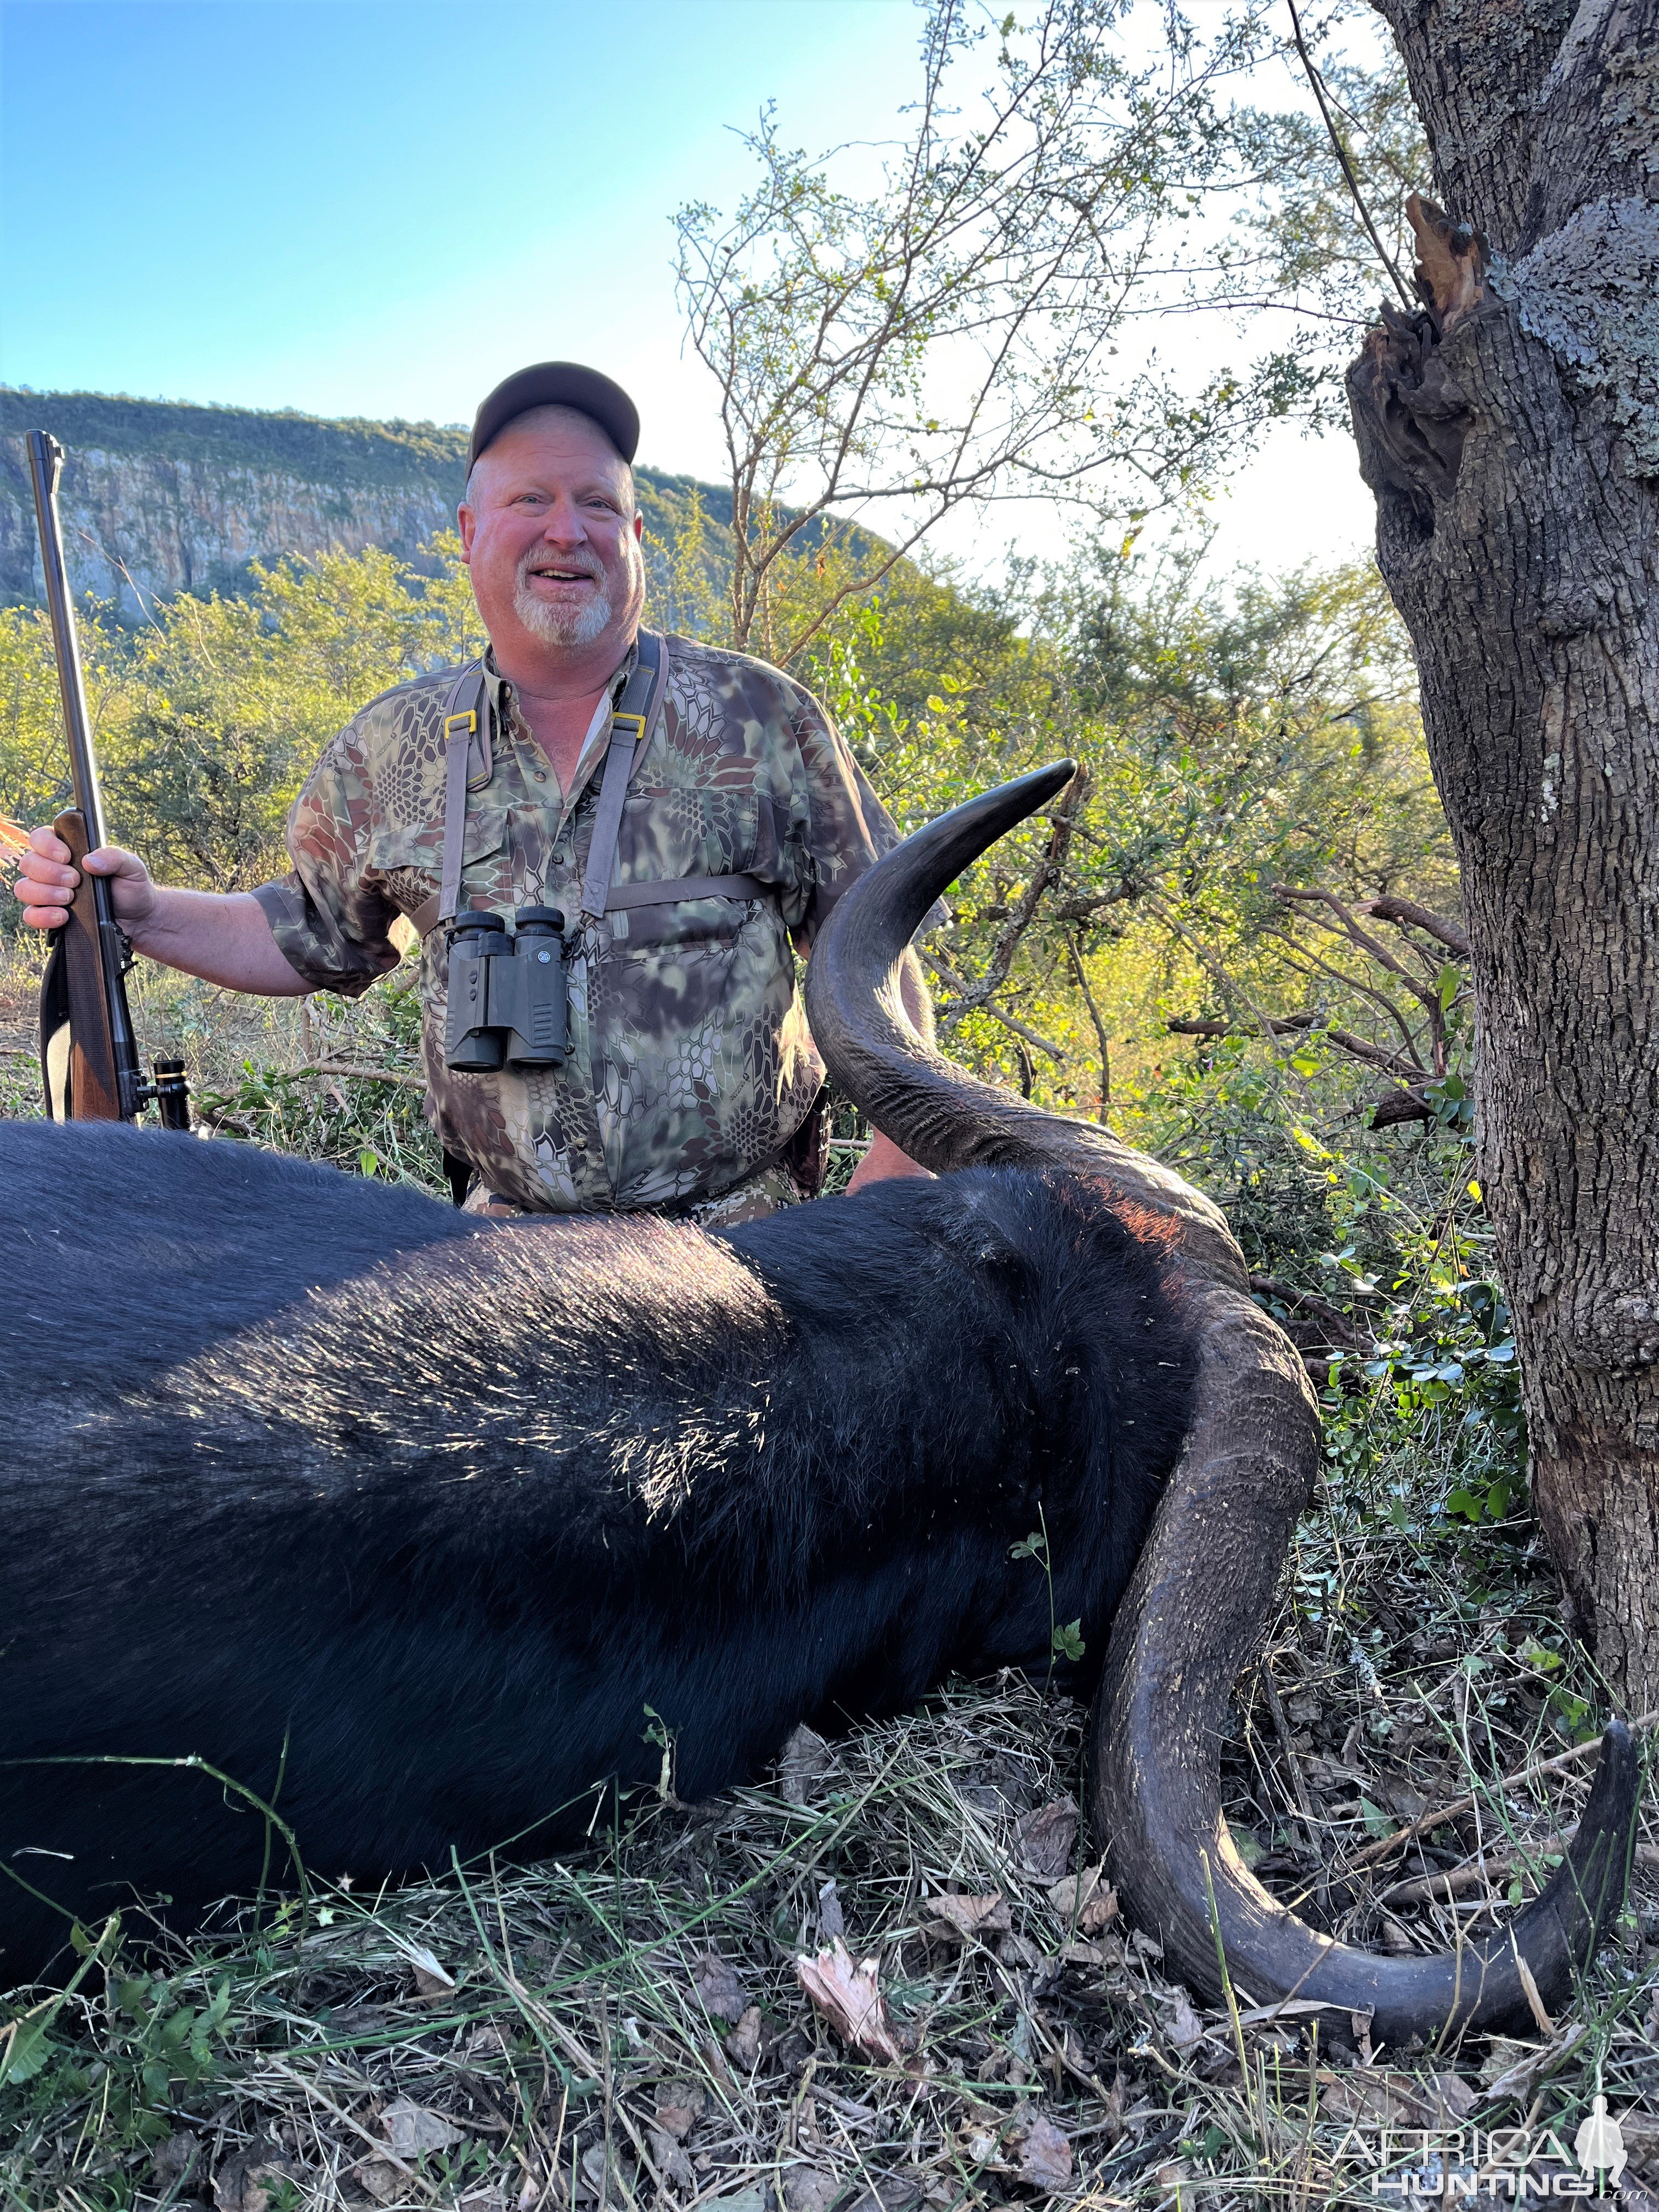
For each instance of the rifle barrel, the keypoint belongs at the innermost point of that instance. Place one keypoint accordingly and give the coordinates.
(45, 462)
(110, 1071)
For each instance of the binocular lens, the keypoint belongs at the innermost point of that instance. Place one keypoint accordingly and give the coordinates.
(506, 994)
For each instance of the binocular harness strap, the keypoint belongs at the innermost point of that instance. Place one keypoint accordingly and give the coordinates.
(685, 887)
(461, 727)
(629, 725)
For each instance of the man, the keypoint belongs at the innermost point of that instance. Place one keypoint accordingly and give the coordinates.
(686, 850)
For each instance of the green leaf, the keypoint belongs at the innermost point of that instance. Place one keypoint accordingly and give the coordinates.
(1377, 1822)
(1068, 1643)
(29, 2049)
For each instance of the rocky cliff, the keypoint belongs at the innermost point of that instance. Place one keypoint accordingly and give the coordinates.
(160, 497)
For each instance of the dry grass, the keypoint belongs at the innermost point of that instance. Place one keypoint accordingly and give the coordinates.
(628, 2028)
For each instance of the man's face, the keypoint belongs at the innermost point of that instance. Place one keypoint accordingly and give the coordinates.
(549, 533)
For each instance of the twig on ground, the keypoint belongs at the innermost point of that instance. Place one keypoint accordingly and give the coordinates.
(1471, 1799)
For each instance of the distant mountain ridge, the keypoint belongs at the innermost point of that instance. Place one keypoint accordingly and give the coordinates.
(161, 496)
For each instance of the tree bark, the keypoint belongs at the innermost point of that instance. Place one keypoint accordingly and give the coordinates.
(1510, 433)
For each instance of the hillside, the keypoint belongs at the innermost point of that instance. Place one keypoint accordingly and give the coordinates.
(160, 496)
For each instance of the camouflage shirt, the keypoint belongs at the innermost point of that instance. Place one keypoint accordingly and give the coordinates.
(689, 1061)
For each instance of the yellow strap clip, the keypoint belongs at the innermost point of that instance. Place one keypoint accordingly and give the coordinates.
(469, 722)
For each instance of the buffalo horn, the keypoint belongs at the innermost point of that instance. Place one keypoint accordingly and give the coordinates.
(1195, 1612)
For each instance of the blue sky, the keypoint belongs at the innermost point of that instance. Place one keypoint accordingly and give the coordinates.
(351, 207)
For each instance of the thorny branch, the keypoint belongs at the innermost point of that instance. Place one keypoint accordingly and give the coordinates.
(1101, 1037)
(1005, 251)
(1318, 85)
(969, 997)
(1425, 1056)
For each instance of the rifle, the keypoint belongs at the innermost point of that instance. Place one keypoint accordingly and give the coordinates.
(88, 1054)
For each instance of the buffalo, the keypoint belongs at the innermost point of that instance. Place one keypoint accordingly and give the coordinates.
(427, 1531)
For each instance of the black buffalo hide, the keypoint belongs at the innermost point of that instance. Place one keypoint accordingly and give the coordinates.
(407, 1520)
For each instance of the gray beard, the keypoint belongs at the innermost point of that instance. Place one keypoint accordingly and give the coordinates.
(558, 626)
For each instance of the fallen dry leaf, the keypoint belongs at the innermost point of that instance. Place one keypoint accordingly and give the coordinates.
(743, 2044)
(1186, 2029)
(966, 1919)
(717, 1984)
(248, 2182)
(850, 1999)
(808, 2189)
(831, 1923)
(410, 2128)
(1045, 2156)
(679, 2107)
(594, 2167)
(1045, 1839)
(803, 1764)
(670, 2161)
(378, 2177)
(1457, 2100)
(1084, 1898)
(1379, 2097)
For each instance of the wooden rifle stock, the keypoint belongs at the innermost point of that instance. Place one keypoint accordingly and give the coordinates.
(81, 1063)
(89, 1054)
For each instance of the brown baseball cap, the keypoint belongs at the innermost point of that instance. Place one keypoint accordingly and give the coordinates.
(559, 384)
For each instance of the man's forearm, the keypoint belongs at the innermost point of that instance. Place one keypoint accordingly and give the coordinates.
(223, 938)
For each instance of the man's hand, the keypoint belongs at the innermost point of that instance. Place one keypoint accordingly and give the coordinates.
(884, 1160)
(223, 938)
(46, 883)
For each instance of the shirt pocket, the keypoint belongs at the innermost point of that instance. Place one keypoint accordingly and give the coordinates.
(411, 858)
(667, 834)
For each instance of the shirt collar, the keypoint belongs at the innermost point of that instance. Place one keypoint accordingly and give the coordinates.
(495, 682)
(502, 716)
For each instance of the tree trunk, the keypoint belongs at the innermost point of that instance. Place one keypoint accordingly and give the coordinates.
(1511, 432)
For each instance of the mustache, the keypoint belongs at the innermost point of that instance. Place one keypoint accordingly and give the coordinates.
(583, 564)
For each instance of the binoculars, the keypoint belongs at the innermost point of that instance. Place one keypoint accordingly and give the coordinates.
(506, 994)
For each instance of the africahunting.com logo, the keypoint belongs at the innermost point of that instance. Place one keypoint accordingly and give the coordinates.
(1521, 2163)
